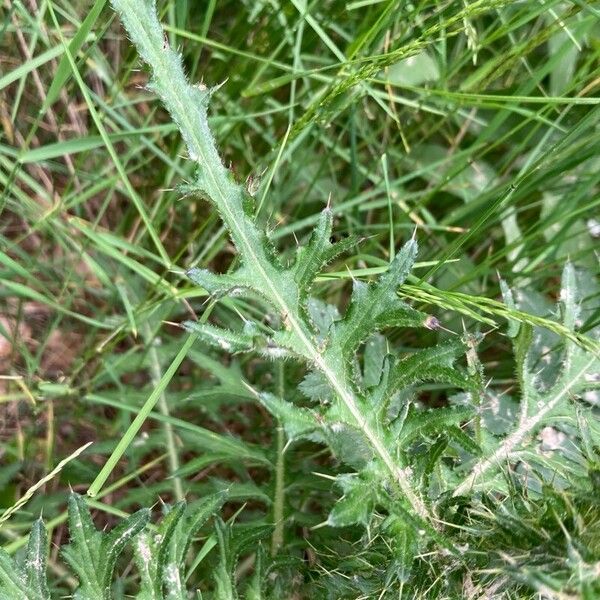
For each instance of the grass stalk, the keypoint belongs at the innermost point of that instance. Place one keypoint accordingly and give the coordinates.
(279, 496)
(163, 407)
(139, 420)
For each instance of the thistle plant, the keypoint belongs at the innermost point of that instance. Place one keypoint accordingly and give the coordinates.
(358, 389)
(445, 501)
(353, 408)
(160, 553)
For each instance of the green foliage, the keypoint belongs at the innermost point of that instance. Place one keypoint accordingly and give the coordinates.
(161, 553)
(374, 454)
(93, 554)
(26, 580)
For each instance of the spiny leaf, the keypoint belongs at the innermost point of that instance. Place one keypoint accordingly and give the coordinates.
(372, 306)
(402, 315)
(26, 581)
(92, 554)
(542, 404)
(463, 440)
(310, 258)
(377, 396)
(326, 347)
(255, 588)
(348, 444)
(507, 296)
(218, 337)
(83, 551)
(12, 583)
(223, 574)
(113, 543)
(405, 545)
(196, 515)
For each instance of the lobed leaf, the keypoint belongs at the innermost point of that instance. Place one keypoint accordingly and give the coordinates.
(375, 306)
(310, 331)
(543, 403)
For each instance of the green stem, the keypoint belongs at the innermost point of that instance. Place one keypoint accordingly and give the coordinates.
(278, 501)
(163, 407)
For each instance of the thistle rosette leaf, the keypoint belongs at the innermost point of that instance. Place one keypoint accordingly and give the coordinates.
(26, 580)
(93, 554)
(311, 332)
(546, 405)
(160, 555)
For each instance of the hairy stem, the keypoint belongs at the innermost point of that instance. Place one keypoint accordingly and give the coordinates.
(279, 496)
(278, 500)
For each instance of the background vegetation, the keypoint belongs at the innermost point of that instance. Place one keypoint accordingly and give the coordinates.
(470, 124)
